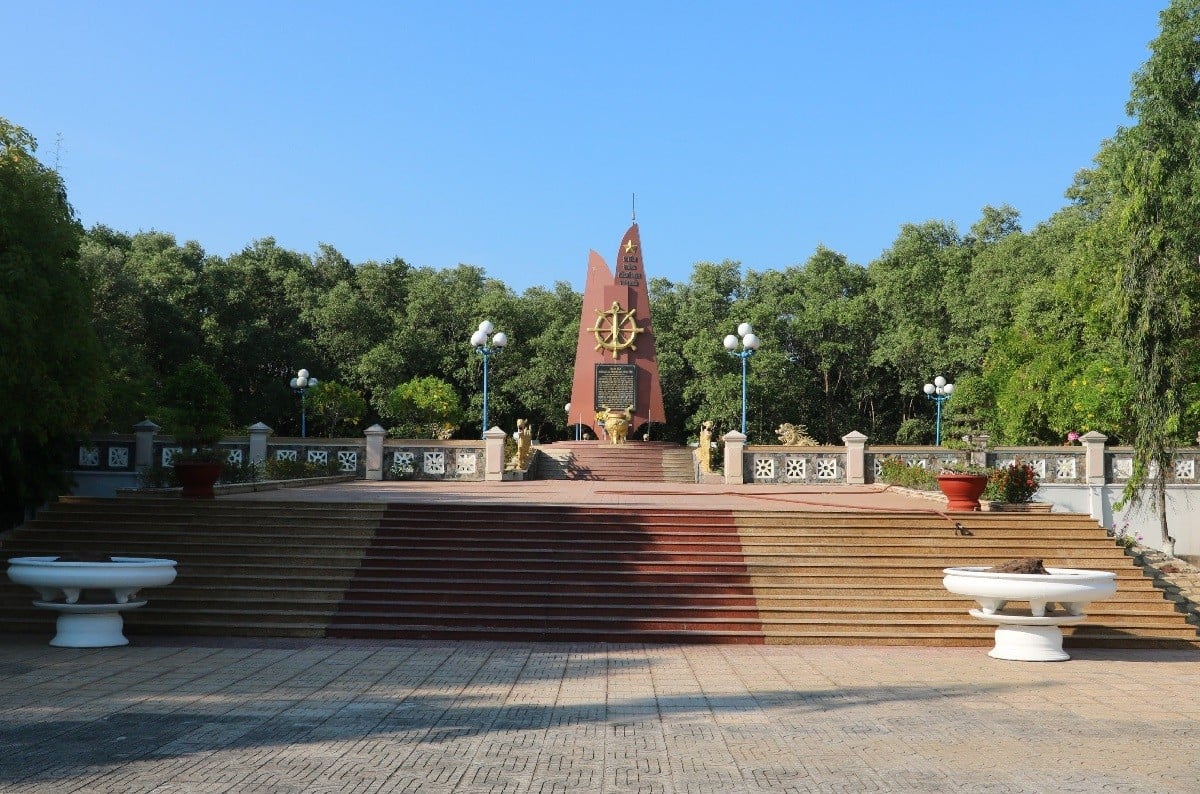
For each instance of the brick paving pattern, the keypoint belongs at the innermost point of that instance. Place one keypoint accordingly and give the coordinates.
(345, 716)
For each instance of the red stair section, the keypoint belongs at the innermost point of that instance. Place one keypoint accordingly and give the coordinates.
(633, 461)
(551, 573)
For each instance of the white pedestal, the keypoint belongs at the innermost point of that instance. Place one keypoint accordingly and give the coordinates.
(89, 625)
(1022, 638)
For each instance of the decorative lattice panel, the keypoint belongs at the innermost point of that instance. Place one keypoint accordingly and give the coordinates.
(795, 468)
(435, 462)
(764, 468)
(466, 462)
(827, 469)
(1064, 469)
(347, 460)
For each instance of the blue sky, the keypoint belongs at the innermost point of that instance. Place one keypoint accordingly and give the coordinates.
(512, 136)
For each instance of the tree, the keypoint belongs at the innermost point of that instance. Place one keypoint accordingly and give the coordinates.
(52, 380)
(339, 408)
(914, 284)
(699, 381)
(547, 323)
(195, 408)
(1157, 163)
(425, 407)
(255, 329)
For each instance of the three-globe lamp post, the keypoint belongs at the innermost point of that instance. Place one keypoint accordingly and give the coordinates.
(939, 391)
(300, 385)
(480, 341)
(750, 343)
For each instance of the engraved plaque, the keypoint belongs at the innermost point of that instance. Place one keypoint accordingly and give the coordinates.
(616, 386)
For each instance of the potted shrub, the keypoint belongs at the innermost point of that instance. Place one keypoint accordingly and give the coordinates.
(962, 484)
(196, 413)
(1011, 488)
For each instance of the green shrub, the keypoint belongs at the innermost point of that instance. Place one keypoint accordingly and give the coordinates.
(297, 469)
(915, 431)
(157, 476)
(897, 472)
(241, 472)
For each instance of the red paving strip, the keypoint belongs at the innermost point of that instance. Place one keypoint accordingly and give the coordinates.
(469, 574)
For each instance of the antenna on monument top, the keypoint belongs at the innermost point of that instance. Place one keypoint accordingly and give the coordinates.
(635, 207)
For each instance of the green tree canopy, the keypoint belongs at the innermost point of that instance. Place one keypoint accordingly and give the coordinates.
(52, 378)
(337, 409)
(425, 407)
(1156, 164)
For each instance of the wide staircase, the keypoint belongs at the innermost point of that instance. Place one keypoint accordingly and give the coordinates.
(578, 574)
(634, 461)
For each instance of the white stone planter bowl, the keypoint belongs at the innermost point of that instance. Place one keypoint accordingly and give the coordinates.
(92, 622)
(1074, 588)
(58, 580)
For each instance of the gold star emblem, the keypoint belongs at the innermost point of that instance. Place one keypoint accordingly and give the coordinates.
(630, 247)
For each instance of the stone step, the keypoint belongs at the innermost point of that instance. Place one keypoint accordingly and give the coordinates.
(622, 574)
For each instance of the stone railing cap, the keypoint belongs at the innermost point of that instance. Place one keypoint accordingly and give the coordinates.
(260, 427)
(733, 435)
(1093, 435)
(854, 435)
(375, 430)
(495, 432)
(146, 424)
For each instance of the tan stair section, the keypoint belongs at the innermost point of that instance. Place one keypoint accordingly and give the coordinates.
(876, 579)
(634, 461)
(244, 568)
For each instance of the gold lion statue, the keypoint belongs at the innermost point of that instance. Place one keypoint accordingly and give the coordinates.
(616, 423)
(791, 435)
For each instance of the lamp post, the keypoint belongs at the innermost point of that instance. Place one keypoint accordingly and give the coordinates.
(750, 343)
(939, 391)
(301, 384)
(479, 340)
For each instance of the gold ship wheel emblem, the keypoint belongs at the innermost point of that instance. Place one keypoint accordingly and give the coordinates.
(615, 329)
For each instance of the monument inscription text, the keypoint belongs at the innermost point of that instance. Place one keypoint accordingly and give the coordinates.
(616, 386)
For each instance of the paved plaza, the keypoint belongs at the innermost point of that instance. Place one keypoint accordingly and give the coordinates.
(203, 715)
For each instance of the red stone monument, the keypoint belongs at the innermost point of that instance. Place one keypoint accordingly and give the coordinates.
(615, 362)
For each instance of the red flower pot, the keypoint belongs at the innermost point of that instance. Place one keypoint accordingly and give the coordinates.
(962, 490)
(197, 478)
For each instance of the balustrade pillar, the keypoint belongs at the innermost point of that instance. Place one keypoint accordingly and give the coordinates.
(143, 448)
(375, 435)
(259, 433)
(493, 443)
(856, 457)
(735, 443)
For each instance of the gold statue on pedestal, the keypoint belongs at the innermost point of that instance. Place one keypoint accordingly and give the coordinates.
(524, 446)
(704, 449)
(616, 423)
(791, 435)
